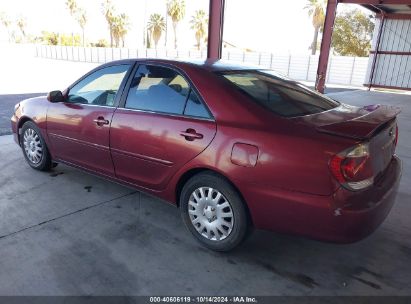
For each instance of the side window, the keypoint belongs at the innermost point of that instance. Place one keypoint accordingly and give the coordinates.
(99, 88)
(195, 107)
(157, 89)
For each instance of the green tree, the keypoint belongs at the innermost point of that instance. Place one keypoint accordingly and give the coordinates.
(70, 39)
(156, 25)
(120, 28)
(50, 38)
(199, 23)
(108, 11)
(100, 43)
(352, 34)
(176, 9)
(6, 22)
(316, 10)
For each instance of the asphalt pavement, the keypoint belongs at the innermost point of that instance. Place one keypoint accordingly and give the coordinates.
(7, 103)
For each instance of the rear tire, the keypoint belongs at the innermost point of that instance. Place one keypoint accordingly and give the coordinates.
(34, 147)
(213, 211)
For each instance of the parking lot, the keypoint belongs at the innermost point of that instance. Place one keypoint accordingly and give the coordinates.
(70, 233)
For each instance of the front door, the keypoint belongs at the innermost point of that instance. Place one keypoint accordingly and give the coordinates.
(79, 128)
(162, 126)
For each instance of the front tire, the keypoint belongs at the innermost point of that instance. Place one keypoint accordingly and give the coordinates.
(213, 211)
(34, 147)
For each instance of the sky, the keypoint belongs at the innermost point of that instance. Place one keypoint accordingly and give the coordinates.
(259, 25)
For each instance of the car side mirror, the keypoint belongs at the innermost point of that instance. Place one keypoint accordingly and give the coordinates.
(55, 96)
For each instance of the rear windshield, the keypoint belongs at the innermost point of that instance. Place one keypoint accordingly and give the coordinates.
(278, 93)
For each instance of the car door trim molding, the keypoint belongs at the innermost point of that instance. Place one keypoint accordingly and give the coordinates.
(143, 157)
(89, 105)
(168, 114)
(78, 141)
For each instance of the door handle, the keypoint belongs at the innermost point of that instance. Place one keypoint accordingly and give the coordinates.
(191, 134)
(101, 121)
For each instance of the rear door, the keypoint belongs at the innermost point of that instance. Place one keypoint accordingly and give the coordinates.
(79, 128)
(162, 126)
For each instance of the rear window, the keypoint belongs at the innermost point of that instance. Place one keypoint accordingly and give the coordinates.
(278, 93)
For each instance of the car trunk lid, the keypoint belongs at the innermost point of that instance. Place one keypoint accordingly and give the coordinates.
(358, 123)
(374, 125)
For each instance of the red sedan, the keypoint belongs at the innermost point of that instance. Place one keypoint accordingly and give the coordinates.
(232, 146)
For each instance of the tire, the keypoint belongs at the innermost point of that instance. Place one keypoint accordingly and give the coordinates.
(207, 213)
(34, 147)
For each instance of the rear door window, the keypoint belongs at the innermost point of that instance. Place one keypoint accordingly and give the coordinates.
(279, 94)
(195, 107)
(163, 90)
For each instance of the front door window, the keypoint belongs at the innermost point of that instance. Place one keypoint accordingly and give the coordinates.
(99, 88)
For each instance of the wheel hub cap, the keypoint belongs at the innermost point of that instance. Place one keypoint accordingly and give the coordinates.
(210, 213)
(32, 146)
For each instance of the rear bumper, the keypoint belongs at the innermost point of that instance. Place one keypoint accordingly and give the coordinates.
(343, 217)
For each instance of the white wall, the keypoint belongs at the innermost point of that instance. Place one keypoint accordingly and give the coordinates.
(342, 70)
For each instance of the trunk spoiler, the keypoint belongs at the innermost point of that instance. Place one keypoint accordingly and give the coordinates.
(364, 126)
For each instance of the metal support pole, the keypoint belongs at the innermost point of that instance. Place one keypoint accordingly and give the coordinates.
(326, 45)
(377, 48)
(308, 67)
(352, 70)
(289, 64)
(215, 29)
(330, 61)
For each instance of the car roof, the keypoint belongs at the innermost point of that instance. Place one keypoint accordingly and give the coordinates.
(208, 64)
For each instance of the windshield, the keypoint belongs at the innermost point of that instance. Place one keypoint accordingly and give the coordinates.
(278, 93)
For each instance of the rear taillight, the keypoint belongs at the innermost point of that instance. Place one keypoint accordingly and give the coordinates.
(352, 167)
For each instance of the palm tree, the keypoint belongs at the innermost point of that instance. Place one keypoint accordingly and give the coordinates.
(21, 23)
(81, 18)
(72, 6)
(78, 14)
(176, 9)
(199, 23)
(5, 20)
(316, 10)
(108, 11)
(156, 25)
(120, 28)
